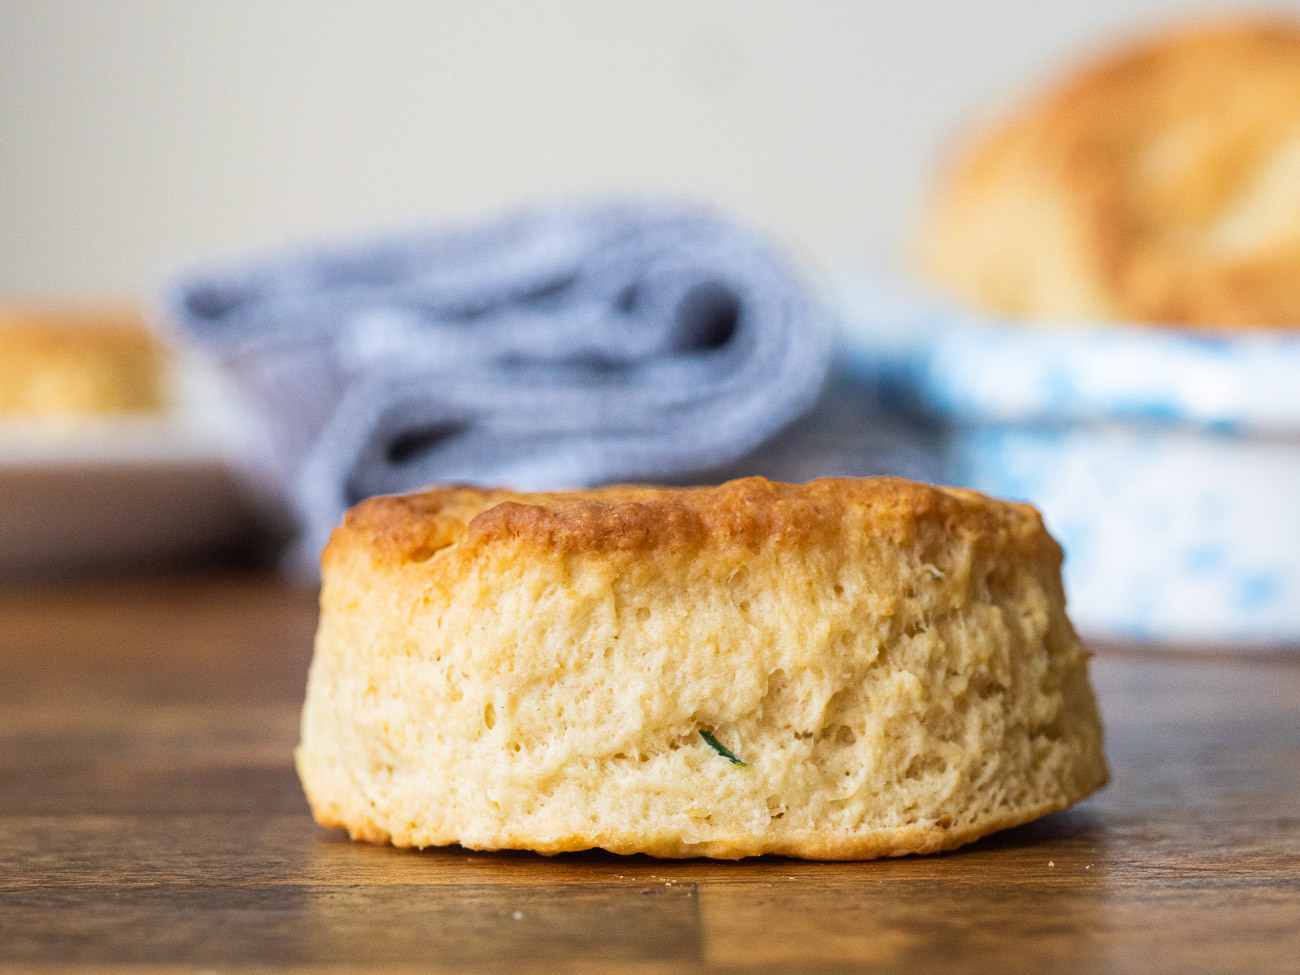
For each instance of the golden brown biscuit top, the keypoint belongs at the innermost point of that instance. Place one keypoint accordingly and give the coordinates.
(53, 331)
(747, 512)
(1176, 165)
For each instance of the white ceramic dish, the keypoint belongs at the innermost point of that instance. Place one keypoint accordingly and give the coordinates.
(127, 492)
(1166, 461)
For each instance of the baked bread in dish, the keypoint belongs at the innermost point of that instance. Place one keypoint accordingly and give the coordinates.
(1159, 184)
(844, 669)
(72, 364)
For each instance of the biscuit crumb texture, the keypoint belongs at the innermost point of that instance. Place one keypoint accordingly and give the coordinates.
(891, 660)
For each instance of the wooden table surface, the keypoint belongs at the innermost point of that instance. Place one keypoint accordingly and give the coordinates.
(150, 820)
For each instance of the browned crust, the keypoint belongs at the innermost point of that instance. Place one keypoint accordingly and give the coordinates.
(747, 512)
(1146, 241)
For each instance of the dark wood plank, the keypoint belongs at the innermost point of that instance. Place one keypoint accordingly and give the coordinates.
(150, 821)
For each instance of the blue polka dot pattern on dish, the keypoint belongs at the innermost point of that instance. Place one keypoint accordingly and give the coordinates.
(1167, 462)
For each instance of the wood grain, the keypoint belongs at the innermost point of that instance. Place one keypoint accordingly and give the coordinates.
(150, 821)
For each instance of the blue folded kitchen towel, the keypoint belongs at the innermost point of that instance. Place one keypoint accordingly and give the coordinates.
(559, 347)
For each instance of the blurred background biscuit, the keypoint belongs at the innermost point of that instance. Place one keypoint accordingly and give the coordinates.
(78, 363)
(1159, 184)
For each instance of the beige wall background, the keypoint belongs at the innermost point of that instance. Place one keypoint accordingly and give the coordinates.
(141, 133)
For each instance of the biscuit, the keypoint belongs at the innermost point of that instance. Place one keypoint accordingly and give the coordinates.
(890, 664)
(75, 364)
(1161, 184)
